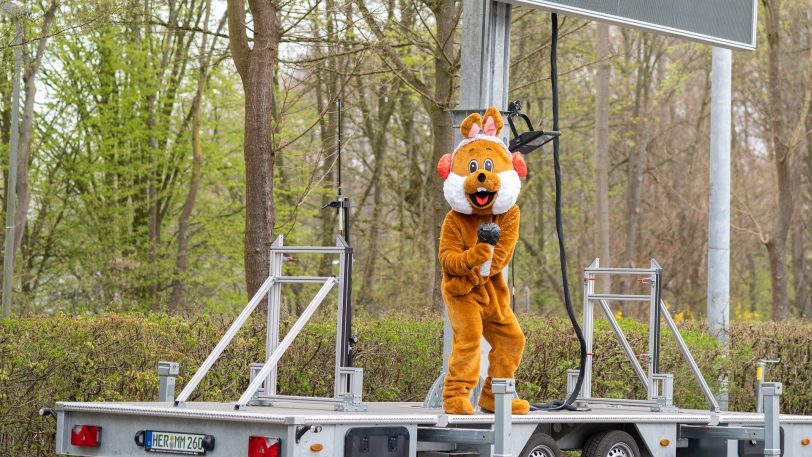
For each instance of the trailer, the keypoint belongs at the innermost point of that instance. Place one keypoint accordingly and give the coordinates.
(264, 423)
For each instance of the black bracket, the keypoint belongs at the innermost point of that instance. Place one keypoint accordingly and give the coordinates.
(529, 141)
(302, 429)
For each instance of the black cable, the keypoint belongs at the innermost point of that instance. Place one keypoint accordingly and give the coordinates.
(559, 228)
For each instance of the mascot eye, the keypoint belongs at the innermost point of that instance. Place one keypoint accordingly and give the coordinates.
(488, 164)
(472, 166)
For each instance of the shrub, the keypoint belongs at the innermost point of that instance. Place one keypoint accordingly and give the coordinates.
(112, 357)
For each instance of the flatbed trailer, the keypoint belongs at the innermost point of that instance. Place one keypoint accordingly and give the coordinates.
(420, 431)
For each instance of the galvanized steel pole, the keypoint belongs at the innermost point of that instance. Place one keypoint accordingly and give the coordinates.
(8, 263)
(719, 204)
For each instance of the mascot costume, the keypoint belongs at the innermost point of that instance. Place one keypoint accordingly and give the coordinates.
(482, 180)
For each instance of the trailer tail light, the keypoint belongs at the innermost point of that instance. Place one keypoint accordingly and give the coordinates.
(261, 446)
(86, 435)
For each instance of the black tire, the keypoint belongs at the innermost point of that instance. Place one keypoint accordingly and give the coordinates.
(541, 445)
(614, 443)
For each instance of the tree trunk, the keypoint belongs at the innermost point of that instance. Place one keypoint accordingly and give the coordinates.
(602, 75)
(442, 129)
(327, 88)
(256, 68)
(799, 268)
(376, 130)
(776, 245)
(177, 300)
(32, 64)
(637, 160)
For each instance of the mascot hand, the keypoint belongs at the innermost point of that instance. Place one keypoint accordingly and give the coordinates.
(479, 254)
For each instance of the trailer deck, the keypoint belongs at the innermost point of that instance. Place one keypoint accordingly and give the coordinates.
(232, 428)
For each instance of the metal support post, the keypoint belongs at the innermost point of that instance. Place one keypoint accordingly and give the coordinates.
(771, 392)
(761, 377)
(8, 262)
(167, 372)
(503, 390)
(719, 199)
(274, 311)
(588, 324)
(344, 338)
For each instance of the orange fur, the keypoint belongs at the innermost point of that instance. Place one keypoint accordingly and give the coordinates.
(479, 306)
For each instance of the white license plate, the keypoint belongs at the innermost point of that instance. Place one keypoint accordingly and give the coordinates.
(174, 443)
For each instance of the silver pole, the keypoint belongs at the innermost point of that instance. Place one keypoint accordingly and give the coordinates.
(503, 390)
(8, 262)
(719, 204)
(771, 392)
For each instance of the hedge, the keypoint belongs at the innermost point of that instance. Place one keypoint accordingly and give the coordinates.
(112, 357)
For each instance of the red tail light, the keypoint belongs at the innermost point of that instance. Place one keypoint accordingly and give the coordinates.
(261, 446)
(86, 435)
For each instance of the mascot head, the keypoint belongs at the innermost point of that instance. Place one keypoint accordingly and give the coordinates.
(481, 176)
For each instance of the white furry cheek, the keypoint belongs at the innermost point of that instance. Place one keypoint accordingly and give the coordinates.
(508, 191)
(454, 193)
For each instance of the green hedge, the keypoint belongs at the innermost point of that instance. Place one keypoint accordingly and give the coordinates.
(112, 357)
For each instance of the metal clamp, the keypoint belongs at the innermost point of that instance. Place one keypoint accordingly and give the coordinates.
(352, 379)
(663, 392)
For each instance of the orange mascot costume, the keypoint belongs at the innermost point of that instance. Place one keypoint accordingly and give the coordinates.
(482, 180)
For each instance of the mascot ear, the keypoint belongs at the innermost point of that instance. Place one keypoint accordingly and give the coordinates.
(471, 125)
(493, 121)
(519, 165)
(444, 166)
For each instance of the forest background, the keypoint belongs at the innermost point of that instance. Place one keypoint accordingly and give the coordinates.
(161, 140)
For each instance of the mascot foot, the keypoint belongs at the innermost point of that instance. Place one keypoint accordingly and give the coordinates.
(518, 406)
(458, 405)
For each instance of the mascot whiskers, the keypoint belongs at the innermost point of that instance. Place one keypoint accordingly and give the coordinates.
(482, 180)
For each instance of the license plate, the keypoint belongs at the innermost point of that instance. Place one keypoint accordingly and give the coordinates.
(174, 443)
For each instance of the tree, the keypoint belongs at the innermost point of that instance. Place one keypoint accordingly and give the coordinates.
(32, 63)
(601, 164)
(256, 66)
(437, 97)
(783, 142)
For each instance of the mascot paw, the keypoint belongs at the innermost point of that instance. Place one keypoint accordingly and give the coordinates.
(480, 254)
(458, 405)
(518, 406)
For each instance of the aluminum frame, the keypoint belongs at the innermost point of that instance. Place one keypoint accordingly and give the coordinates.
(263, 380)
(657, 392)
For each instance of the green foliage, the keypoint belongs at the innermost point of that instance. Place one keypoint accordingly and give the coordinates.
(112, 357)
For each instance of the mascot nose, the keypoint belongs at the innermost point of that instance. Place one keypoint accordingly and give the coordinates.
(481, 177)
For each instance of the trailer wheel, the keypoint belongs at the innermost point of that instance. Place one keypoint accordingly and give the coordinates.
(541, 445)
(614, 443)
